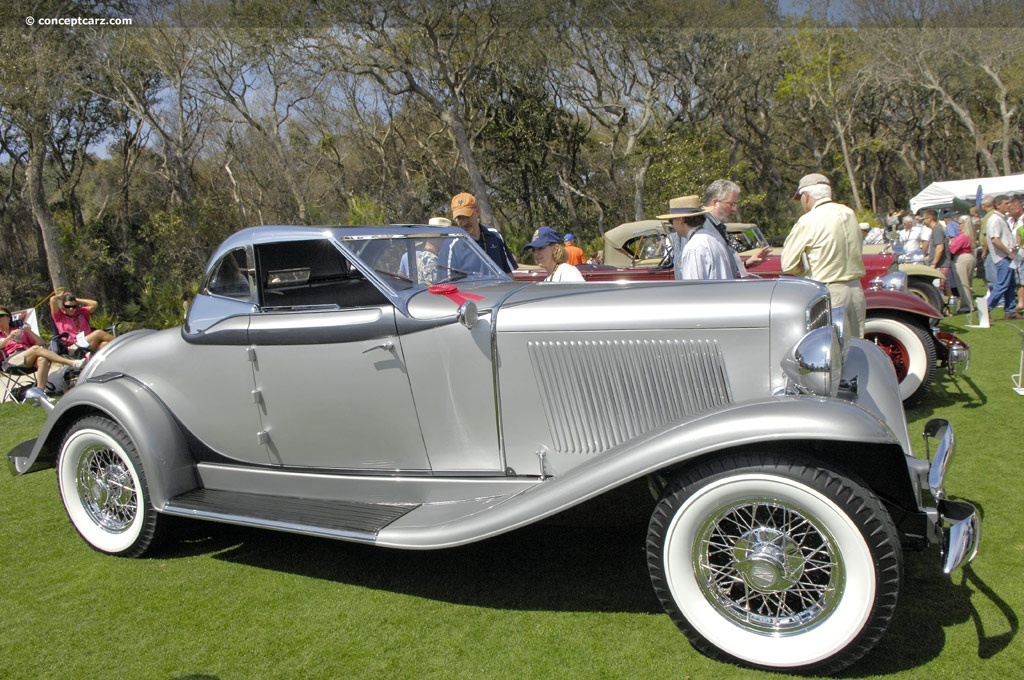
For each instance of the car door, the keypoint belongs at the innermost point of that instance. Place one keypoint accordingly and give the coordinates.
(331, 380)
(212, 393)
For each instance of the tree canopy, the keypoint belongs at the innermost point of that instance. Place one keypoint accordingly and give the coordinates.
(130, 149)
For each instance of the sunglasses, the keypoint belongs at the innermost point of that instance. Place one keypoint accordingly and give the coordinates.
(3, 314)
(71, 306)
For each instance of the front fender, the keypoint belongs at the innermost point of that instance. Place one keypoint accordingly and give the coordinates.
(877, 299)
(775, 421)
(918, 269)
(165, 455)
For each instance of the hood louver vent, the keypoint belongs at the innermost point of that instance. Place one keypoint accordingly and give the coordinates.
(599, 394)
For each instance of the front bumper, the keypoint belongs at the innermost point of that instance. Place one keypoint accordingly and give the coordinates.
(959, 523)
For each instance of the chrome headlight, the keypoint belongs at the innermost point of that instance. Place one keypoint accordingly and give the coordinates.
(891, 281)
(815, 363)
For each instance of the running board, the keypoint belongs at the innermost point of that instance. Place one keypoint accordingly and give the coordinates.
(343, 520)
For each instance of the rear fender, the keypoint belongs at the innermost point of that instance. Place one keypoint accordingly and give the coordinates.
(165, 455)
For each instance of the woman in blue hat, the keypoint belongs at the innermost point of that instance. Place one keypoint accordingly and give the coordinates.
(549, 252)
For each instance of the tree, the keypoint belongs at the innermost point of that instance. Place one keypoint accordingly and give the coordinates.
(46, 83)
(153, 72)
(825, 82)
(436, 52)
(968, 54)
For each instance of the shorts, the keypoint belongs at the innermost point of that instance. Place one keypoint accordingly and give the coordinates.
(16, 360)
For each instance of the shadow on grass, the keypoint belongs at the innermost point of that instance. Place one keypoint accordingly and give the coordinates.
(929, 603)
(581, 562)
(916, 634)
(949, 391)
(574, 563)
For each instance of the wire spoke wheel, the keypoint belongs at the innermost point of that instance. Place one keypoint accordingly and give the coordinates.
(103, 487)
(768, 566)
(107, 489)
(775, 562)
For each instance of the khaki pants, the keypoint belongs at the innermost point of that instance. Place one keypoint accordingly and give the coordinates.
(850, 296)
(964, 266)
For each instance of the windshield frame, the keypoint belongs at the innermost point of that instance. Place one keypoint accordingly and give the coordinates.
(378, 255)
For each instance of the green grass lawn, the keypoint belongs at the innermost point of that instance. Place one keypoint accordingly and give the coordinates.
(547, 601)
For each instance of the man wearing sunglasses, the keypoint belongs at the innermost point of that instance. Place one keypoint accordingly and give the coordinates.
(71, 316)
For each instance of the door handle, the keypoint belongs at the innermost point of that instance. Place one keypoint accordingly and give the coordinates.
(386, 346)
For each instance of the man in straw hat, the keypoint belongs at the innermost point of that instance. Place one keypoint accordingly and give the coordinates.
(697, 254)
(825, 245)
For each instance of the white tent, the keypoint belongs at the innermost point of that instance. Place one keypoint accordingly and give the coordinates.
(940, 195)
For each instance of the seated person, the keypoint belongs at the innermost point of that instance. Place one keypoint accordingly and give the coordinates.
(426, 262)
(21, 347)
(71, 316)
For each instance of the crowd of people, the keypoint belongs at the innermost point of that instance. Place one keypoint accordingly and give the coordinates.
(825, 245)
(976, 244)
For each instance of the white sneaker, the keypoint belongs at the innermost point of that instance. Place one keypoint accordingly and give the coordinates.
(78, 363)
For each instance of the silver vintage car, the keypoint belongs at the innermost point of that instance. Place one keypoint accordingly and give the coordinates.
(391, 386)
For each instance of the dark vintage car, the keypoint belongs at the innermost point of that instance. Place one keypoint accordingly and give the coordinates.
(391, 386)
(901, 324)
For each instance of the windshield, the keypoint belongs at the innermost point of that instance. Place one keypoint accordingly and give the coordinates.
(421, 260)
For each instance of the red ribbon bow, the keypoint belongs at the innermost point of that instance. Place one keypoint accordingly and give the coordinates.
(451, 291)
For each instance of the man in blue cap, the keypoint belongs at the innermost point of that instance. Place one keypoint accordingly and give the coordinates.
(575, 253)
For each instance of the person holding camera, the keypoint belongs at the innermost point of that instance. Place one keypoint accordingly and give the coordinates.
(21, 347)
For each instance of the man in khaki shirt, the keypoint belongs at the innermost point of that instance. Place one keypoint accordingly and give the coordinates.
(825, 245)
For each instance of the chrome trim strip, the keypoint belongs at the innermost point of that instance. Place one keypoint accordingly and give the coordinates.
(288, 527)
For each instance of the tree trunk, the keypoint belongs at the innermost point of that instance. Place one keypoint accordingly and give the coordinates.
(639, 177)
(458, 131)
(43, 216)
(858, 206)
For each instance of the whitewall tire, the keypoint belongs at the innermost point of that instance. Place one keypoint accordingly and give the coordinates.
(773, 564)
(911, 350)
(103, 487)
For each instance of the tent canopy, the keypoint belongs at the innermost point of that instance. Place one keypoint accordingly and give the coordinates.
(960, 194)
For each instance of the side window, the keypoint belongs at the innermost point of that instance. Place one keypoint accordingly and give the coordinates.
(311, 274)
(232, 278)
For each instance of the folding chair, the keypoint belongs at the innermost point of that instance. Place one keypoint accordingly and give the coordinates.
(11, 377)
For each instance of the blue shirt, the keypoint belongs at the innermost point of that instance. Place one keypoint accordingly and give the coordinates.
(458, 255)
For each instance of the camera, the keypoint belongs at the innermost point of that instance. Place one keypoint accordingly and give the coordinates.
(16, 323)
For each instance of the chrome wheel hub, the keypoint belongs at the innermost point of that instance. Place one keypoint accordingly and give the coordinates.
(768, 560)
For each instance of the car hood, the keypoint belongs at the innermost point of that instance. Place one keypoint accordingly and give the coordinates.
(597, 306)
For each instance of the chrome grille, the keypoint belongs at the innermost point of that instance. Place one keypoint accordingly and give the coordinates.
(819, 313)
(597, 394)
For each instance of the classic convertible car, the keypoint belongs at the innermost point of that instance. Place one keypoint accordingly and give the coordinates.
(391, 386)
(902, 324)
